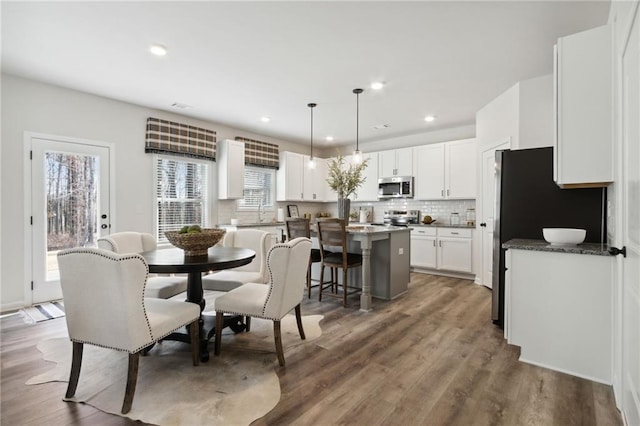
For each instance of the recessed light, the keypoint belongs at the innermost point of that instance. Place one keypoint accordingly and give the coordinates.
(429, 118)
(377, 85)
(329, 138)
(265, 119)
(158, 49)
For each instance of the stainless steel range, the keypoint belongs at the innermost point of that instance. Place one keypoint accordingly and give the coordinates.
(401, 217)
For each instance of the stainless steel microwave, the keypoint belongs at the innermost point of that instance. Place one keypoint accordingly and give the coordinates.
(395, 187)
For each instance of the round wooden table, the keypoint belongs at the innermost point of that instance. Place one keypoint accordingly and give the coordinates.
(173, 261)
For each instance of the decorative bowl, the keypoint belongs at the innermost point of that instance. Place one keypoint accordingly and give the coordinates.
(564, 236)
(197, 243)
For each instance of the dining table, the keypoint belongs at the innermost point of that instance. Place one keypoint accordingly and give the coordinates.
(174, 261)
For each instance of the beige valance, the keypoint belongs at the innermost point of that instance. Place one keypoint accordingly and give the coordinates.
(168, 137)
(258, 153)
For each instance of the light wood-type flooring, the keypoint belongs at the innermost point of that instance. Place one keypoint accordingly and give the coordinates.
(431, 357)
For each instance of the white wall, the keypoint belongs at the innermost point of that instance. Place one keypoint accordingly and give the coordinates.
(36, 107)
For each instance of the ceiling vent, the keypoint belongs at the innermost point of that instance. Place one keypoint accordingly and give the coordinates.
(381, 126)
(179, 105)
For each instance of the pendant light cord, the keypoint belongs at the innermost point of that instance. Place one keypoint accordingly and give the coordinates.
(357, 92)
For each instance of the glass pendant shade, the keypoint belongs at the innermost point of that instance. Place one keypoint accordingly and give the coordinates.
(312, 162)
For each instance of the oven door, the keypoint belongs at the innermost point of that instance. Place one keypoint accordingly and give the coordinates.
(389, 190)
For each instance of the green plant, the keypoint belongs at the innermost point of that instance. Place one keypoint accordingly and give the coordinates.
(345, 179)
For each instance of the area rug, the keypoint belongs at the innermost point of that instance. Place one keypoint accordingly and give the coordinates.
(236, 388)
(43, 312)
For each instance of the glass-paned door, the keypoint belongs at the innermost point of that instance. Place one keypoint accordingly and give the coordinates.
(70, 206)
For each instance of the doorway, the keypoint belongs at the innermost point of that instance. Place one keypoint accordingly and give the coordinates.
(487, 209)
(70, 205)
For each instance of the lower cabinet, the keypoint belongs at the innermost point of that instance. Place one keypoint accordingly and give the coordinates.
(442, 249)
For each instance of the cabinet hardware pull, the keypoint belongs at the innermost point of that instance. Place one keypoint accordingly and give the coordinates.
(483, 224)
(440, 243)
(434, 243)
(454, 233)
(447, 192)
(442, 192)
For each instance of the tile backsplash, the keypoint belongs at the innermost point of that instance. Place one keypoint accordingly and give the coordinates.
(437, 209)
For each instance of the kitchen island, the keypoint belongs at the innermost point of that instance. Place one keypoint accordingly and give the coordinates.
(386, 251)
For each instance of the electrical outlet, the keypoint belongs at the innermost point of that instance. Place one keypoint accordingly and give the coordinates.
(401, 250)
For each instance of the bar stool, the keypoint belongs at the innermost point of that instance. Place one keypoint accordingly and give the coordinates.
(300, 227)
(332, 234)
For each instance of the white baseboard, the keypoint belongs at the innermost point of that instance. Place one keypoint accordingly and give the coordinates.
(452, 274)
(9, 307)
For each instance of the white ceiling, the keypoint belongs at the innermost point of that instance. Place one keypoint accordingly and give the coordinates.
(237, 61)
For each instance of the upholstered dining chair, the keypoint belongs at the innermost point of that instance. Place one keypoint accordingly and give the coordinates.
(300, 227)
(160, 286)
(254, 272)
(105, 306)
(287, 267)
(332, 237)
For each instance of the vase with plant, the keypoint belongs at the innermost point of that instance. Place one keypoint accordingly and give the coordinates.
(345, 179)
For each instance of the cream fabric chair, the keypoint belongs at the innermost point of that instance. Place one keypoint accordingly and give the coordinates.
(105, 306)
(163, 286)
(254, 272)
(287, 267)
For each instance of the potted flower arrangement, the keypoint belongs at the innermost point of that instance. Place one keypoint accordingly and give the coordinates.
(345, 179)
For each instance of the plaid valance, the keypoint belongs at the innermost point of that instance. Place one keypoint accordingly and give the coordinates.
(168, 137)
(259, 153)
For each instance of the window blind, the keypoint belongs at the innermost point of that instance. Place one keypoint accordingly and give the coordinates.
(181, 194)
(168, 137)
(259, 188)
(258, 153)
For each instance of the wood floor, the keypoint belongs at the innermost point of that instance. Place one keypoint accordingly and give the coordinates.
(431, 357)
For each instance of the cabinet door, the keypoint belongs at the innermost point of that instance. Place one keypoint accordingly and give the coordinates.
(460, 167)
(429, 172)
(230, 169)
(454, 254)
(404, 162)
(423, 252)
(369, 189)
(329, 194)
(320, 180)
(290, 177)
(584, 125)
(387, 163)
(308, 180)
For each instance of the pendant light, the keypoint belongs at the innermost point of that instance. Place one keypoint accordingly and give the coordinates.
(312, 161)
(357, 155)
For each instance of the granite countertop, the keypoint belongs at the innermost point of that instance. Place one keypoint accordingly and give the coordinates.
(252, 225)
(363, 228)
(541, 245)
(441, 225)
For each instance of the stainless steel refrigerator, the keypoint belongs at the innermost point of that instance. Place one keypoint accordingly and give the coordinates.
(527, 200)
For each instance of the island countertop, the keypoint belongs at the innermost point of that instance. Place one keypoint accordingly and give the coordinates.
(541, 245)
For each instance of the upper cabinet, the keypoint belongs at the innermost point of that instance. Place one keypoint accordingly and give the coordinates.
(445, 170)
(584, 109)
(395, 162)
(369, 189)
(290, 186)
(314, 180)
(230, 159)
(297, 182)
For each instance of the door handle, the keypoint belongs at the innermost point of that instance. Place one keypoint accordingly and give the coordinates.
(104, 226)
(614, 251)
(104, 216)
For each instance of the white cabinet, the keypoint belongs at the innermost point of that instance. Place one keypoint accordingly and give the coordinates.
(584, 109)
(230, 159)
(454, 249)
(423, 248)
(443, 249)
(445, 170)
(297, 182)
(290, 183)
(395, 162)
(314, 180)
(558, 310)
(369, 189)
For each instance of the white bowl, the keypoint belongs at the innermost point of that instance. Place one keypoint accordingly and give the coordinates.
(564, 236)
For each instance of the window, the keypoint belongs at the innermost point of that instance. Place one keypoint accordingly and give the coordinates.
(182, 196)
(259, 188)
